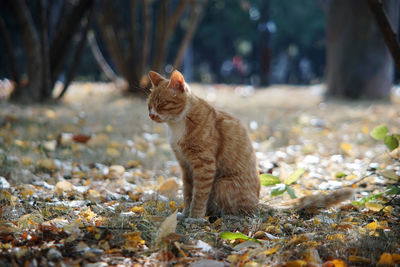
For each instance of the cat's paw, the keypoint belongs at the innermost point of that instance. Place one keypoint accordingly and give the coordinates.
(195, 221)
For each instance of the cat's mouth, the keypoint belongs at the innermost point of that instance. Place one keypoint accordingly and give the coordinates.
(155, 117)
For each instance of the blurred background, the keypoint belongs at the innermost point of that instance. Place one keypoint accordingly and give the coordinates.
(251, 42)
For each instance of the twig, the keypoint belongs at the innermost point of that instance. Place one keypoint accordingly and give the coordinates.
(389, 35)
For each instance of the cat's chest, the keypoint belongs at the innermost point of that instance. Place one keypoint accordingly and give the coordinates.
(176, 132)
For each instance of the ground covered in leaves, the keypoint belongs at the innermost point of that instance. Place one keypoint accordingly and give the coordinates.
(93, 182)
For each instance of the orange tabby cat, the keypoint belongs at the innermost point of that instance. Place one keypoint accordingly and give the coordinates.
(212, 147)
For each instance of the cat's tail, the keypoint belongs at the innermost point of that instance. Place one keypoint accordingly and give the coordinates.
(314, 203)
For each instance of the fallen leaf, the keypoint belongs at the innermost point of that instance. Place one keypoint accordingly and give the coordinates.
(133, 240)
(169, 188)
(50, 145)
(81, 138)
(373, 206)
(293, 177)
(98, 140)
(167, 226)
(63, 186)
(359, 259)
(296, 263)
(311, 256)
(272, 250)
(47, 164)
(346, 147)
(234, 236)
(386, 259)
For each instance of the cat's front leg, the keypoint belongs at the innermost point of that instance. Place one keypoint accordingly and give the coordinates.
(203, 179)
(187, 191)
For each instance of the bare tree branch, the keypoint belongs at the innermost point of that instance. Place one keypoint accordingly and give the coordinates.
(174, 18)
(111, 39)
(63, 37)
(195, 16)
(78, 53)
(101, 61)
(389, 35)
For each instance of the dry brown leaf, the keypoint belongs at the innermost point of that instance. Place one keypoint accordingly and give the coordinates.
(167, 226)
(169, 188)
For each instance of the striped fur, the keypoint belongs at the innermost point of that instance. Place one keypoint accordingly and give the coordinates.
(213, 148)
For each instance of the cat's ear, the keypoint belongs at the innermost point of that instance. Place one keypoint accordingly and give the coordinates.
(177, 82)
(155, 78)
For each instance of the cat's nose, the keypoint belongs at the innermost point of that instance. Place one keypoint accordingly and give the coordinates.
(152, 116)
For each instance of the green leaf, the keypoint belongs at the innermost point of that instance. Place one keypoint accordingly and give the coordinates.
(340, 175)
(234, 236)
(294, 176)
(391, 142)
(268, 179)
(364, 200)
(291, 192)
(392, 190)
(278, 191)
(379, 132)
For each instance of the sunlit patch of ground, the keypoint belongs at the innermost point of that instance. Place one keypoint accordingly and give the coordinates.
(92, 179)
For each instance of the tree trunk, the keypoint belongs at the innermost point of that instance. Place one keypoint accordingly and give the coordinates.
(358, 62)
(31, 91)
(10, 51)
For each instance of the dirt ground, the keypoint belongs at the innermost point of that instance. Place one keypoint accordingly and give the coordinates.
(93, 181)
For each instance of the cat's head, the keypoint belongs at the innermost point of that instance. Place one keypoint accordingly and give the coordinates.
(168, 98)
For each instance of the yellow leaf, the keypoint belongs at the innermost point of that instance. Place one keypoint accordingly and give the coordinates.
(50, 114)
(168, 226)
(169, 188)
(396, 258)
(47, 164)
(94, 195)
(335, 237)
(346, 147)
(27, 192)
(87, 214)
(133, 240)
(385, 260)
(138, 209)
(172, 205)
(338, 263)
(63, 186)
(373, 206)
(112, 152)
(296, 263)
(365, 129)
(109, 128)
(359, 259)
(372, 226)
(272, 250)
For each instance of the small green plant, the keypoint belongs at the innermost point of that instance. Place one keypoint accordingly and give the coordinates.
(381, 132)
(280, 188)
(391, 140)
